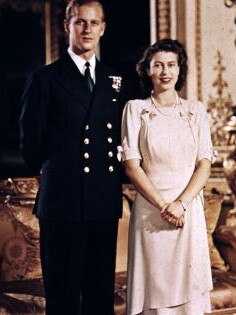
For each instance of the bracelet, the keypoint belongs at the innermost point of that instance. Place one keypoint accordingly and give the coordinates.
(182, 204)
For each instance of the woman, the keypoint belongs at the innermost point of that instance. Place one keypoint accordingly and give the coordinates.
(167, 154)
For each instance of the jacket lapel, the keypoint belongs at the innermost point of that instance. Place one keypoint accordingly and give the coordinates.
(71, 78)
(99, 93)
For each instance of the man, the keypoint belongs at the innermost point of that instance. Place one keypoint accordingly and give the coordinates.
(70, 130)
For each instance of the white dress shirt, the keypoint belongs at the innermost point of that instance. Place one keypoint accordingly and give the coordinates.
(80, 63)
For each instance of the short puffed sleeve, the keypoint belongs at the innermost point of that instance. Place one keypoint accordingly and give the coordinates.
(205, 149)
(131, 124)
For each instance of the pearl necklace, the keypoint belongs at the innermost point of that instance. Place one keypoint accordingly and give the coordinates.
(160, 107)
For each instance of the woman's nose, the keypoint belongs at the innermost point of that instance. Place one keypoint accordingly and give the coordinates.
(164, 69)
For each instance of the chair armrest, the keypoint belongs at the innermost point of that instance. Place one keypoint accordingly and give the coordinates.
(225, 238)
(226, 235)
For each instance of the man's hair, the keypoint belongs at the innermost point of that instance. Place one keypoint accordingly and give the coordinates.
(168, 45)
(72, 4)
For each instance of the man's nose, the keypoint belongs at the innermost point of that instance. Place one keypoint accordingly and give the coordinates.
(87, 27)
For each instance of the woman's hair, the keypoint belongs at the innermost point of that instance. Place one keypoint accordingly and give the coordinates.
(143, 65)
(72, 4)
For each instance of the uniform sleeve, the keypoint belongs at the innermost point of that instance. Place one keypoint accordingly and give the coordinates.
(33, 122)
(131, 124)
(205, 149)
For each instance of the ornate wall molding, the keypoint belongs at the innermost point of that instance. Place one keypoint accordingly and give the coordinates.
(21, 5)
(231, 4)
(219, 107)
(50, 12)
(163, 12)
(198, 49)
(153, 21)
(53, 29)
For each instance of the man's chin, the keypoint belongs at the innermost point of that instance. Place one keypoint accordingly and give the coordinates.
(88, 49)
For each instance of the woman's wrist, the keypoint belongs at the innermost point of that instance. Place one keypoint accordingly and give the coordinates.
(162, 205)
(183, 204)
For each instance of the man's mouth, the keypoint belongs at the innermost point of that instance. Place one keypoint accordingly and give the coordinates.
(87, 39)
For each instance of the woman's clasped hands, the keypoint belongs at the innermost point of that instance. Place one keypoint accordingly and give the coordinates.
(173, 213)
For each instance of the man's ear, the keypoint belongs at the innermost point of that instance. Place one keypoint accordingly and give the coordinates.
(66, 26)
(103, 28)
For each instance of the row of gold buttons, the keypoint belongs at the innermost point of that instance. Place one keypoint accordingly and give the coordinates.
(86, 154)
(110, 169)
(87, 141)
(110, 153)
(109, 126)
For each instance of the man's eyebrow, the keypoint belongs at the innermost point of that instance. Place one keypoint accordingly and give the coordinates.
(82, 19)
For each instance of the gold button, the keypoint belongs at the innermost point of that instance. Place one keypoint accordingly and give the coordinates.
(86, 155)
(111, 169)
(86, 140)
(110, 154)
(109, 125)
(87, 127)
(86, 169)
(109, 139)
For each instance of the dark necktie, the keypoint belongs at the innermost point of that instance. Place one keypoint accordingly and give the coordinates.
(87, 76)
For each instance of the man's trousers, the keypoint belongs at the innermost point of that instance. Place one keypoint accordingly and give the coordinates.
(78, 263)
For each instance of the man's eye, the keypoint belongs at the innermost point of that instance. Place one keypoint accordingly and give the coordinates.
(79, 22)
(95, 23)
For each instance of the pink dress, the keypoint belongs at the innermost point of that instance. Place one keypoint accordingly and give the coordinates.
(169, 269)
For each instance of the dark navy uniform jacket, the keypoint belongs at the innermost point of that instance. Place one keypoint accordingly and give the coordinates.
(72, 137)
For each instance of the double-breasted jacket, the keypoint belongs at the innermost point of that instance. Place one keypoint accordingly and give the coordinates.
(71, 137)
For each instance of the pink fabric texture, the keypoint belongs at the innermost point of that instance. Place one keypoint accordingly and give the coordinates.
(167, 267)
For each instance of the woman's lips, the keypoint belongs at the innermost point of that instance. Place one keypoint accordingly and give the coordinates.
(165, 80)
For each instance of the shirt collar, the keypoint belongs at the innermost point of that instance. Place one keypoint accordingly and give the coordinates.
(80, 62)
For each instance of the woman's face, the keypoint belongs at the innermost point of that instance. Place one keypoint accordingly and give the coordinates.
(164, 70)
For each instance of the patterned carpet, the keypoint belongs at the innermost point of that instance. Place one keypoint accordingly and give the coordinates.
(33, 303)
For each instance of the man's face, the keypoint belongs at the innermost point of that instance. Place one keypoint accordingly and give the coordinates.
(84, 29)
